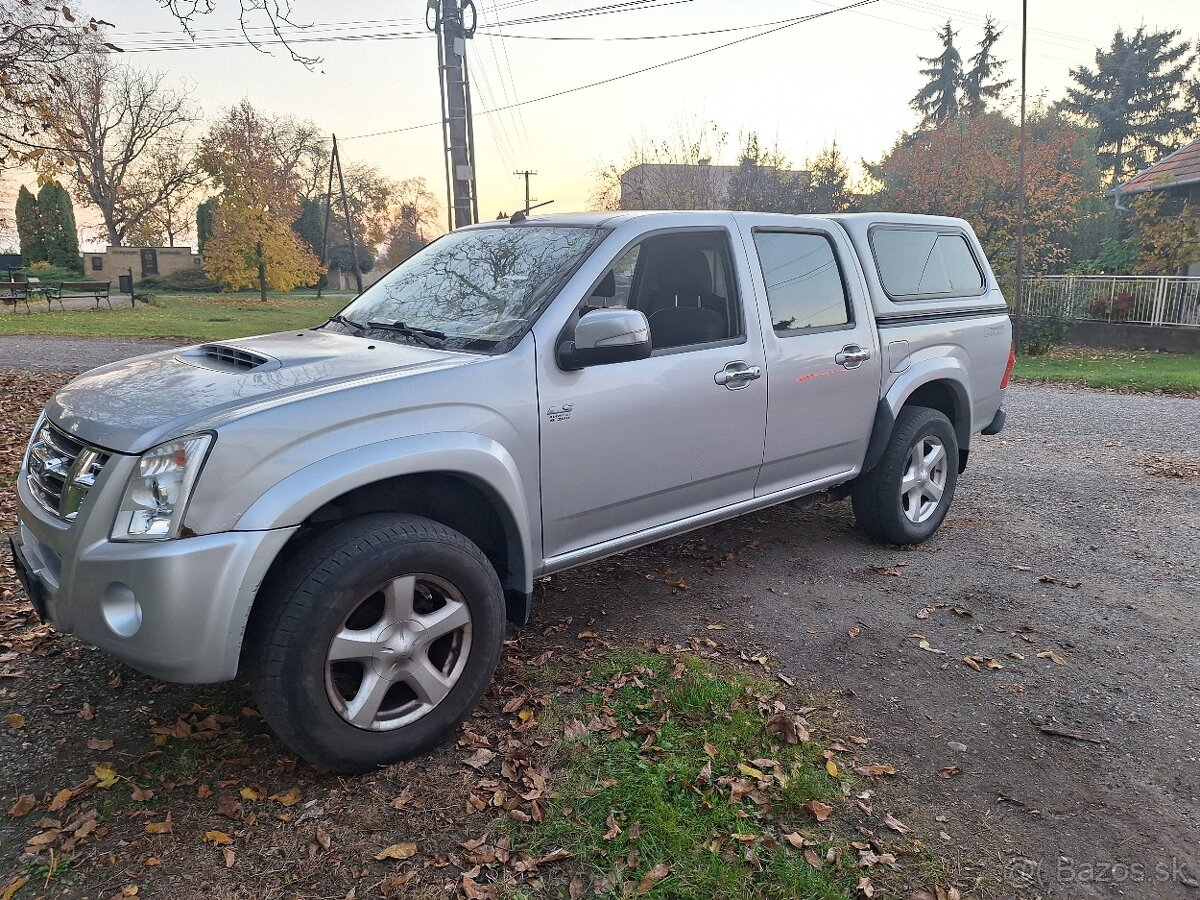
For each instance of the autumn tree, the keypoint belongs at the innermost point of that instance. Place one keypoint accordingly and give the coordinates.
(414, 218)
(38, 44)
(1167, 230)
(1138, 98)
(171, 218)
(982, 84)
(253, 242)
(967, 167)
(938, 99)
(111, 127)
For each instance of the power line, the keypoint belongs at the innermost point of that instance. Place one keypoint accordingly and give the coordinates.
(641, 71)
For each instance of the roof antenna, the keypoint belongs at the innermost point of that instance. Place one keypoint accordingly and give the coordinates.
(522, 214)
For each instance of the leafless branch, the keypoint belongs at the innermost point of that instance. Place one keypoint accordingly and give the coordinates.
(277, 13)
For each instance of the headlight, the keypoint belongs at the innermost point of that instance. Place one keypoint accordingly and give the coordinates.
(158, 490)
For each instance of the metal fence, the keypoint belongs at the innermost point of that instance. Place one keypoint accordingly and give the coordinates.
(1135, 299)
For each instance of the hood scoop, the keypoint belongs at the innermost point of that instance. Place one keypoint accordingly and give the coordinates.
(226, 358)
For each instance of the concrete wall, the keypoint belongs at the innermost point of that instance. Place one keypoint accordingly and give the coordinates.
(1118, 336)
(116, 261)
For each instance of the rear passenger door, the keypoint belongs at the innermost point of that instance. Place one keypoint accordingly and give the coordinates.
(821, 349)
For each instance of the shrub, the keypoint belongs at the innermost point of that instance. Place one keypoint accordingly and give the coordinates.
(1121, 304)
(1040, 334)
(41, 264)
(189, 280)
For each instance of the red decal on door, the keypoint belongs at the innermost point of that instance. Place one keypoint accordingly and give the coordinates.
(820, 374)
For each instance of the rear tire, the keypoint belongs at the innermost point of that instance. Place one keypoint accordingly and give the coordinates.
(376, 641)
(904, 499)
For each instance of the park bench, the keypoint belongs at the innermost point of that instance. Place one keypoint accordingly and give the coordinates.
(80, 290)
(14, 292)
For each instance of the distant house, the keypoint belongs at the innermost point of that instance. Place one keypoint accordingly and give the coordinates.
(1176, 175)
(144, 261)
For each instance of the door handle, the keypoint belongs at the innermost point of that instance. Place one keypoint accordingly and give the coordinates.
(852, 356)
(736, 375)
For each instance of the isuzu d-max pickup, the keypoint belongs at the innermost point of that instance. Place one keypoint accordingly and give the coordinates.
(347, 515)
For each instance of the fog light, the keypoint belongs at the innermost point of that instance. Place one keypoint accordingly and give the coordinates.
(121, 610)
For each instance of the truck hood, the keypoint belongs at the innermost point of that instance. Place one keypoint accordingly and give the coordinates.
(137, 403)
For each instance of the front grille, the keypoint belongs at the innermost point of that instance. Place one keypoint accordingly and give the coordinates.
(232, 357)
(61, 470)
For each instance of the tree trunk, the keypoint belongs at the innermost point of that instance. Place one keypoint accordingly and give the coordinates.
(262, 272)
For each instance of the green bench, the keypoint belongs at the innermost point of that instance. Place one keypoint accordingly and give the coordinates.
(80, 290)
(14, 292)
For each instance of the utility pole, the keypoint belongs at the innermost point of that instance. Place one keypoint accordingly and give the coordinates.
(528, 174)
(1020, 298)
(454, 22)
(349, 222)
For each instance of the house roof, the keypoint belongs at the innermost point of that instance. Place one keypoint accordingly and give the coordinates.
(1180, 168)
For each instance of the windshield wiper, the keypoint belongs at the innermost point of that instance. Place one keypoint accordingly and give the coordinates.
(342, 320)
(426, 336)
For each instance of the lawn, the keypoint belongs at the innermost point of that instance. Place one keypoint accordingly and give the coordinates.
(187, 316)
(1137, 371)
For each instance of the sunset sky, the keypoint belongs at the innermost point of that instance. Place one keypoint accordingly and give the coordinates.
(847, 76)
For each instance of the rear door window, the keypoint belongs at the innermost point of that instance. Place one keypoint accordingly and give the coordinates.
(915, 263)
(804, 283)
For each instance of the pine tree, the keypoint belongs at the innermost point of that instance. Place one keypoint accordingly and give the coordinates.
(829, 190)
(56, 218)
(982, 83)
(1137, 98)
(939, 99)
(205, 215)
(29, 228)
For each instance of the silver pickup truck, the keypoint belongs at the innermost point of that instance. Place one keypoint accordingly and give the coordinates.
(347, 515)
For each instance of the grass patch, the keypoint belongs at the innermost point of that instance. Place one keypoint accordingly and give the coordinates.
(189, 317)
(1136, 371)
(657, 784)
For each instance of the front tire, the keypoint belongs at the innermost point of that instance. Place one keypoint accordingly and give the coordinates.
(906, 496)
(378, 638)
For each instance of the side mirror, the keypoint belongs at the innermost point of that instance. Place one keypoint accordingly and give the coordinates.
(606, 336)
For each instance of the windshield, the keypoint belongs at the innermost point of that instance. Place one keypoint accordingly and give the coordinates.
(472, 289)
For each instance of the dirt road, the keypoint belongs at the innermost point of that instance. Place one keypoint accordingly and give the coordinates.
(1061, 759)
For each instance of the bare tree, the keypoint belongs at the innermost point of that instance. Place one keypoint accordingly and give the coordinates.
(171, 173)
(37, 44)
(668, 173)
(276, 13)
(110, 127)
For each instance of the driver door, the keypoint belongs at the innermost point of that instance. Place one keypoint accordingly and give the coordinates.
(632, 445)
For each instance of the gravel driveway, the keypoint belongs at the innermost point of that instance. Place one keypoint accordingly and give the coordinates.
(72, 354)
(1062, 759)
(1073, 770)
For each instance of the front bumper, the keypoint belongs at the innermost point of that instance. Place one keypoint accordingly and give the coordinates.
(176, 610)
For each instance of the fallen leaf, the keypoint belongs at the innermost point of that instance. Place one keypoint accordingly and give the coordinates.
(819, 810)
(24, 804)
(479, 758)
(61, 799)
(812, 859)
(249, 793)
(141, 794)
(751, 771)
(831, 768)
(96, 744)
(163, 827)
(613, 828)
(217, 837)
(106, 775)
(323, 837)
(473, 890)
(949, 771)
(854, 632)
(924, 645)
(653, 877)
(403, 850)
(1053, 656)
(13, 886)
(203, 792)
(895, 824)
(875, 769)
(15, 720)
(289, 797)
